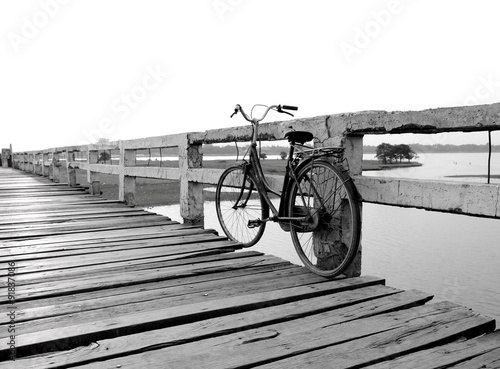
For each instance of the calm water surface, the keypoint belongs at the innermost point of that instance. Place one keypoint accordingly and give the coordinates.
(454, 257)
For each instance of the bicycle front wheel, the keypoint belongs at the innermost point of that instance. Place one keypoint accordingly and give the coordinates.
(237, 202)
(327, 239)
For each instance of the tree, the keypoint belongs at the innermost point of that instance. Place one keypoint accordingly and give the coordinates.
(263, 155)
(102, 141)
(403, 151)
(283, 155)
(385, 153)
(104, 157)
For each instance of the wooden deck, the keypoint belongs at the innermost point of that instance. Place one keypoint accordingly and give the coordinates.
(101, 285)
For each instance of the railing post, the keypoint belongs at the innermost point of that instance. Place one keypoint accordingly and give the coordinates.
(127, 183)
(191, 193)
(93, 177)
(354, 154)
(38, 166)
(30, 162)
(56, 175)
(70, 169)
(325, 237)
(24, 162)
(45, 168)
(51, 167)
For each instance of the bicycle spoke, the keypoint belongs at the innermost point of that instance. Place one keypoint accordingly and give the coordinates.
(237, 203)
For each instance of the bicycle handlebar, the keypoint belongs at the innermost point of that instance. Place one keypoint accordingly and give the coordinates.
(278, 108)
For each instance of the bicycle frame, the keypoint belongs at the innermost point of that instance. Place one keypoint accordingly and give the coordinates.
(264, 188)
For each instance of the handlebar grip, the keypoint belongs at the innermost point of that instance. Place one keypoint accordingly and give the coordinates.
(288, 107)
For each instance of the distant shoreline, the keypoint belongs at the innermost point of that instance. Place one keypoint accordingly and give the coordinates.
(369, 165)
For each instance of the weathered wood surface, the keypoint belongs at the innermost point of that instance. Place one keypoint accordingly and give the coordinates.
(103, 285)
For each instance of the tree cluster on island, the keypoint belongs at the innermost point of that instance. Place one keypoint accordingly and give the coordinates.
(387, 153)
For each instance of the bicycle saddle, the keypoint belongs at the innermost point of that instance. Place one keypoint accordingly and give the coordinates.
(299, 136)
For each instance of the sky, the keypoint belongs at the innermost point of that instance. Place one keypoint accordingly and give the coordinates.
(72, 71)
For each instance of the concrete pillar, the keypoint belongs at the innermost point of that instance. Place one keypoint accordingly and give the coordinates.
(70, 168)
(191, 193)
(127, 183)
(45, 167)
(325, 238)
(56, 175)
(92, 176)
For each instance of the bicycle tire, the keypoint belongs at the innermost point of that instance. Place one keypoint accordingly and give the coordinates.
(329, 241)
(234, 220)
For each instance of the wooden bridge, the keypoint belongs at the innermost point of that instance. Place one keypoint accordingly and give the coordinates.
(101, 285)
(96, 283)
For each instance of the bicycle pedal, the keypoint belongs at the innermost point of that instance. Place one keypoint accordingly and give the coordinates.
(254, 223)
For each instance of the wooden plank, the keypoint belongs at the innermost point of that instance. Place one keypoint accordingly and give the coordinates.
(317, 341)
(187, 245)
(45, 245)
(63, 224)
(14, 196)
(27, 206)
(47, 221)
(185, 281)
(461, 353)
(79, 247)
(91, 311)
(8, 190)
(112, 234)
(50, 307)
(98, 202)
(91, 208)
(63, 198)
(488, 360)
(20, 221)
(168, 317)
(79, 228)
(95, 282)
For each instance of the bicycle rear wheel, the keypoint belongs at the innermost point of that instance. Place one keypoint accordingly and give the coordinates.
(237, 203)
(328, 240)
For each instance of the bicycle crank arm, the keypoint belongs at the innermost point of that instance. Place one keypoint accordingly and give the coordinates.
(258, 222)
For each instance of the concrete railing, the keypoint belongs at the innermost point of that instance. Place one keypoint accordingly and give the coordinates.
(346, 130)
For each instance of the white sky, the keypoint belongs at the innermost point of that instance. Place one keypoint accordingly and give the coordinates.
(74, 70)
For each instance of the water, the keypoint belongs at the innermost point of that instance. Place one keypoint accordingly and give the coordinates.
(454, 257)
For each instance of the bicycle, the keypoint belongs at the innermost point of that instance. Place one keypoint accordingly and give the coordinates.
(319, 204)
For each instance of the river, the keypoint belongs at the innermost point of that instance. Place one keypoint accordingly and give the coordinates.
(454, 257)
